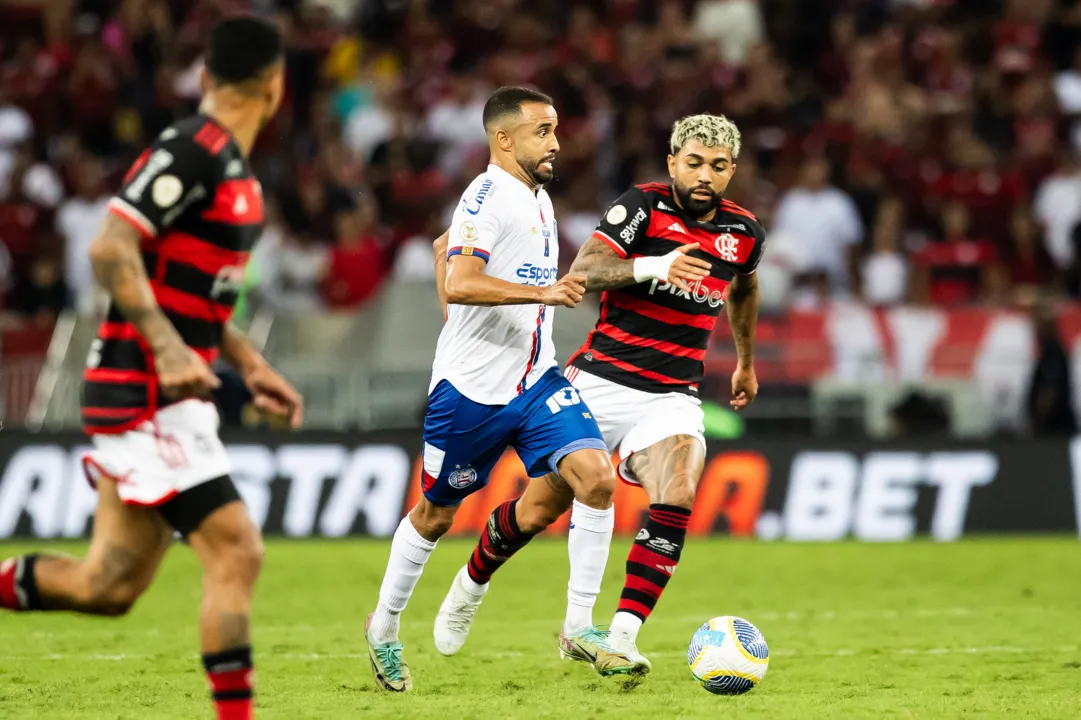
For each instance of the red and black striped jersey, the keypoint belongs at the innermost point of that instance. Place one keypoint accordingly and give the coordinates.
(199, 209)
(653, 336)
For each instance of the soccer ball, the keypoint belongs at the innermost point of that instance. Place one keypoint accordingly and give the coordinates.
(728, 656)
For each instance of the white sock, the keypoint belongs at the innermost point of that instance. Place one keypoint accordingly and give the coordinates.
(408, 553)
(587, 544)
(626, 624)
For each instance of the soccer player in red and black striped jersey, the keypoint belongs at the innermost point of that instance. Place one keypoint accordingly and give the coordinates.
(171, 255)
(668, 258)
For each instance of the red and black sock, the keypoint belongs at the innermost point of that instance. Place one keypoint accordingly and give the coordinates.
(18, 589)
(501, 539)
(231, 681)
(653, 559)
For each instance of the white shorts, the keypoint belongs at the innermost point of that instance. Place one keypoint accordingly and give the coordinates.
(175, 451)
(632, 420)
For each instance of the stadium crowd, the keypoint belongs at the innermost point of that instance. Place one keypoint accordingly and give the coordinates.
(920, 151)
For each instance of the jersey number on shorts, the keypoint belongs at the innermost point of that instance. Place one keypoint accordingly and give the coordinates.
(566, 397)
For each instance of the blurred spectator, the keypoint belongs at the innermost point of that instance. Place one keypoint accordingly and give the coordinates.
(827, 223)
(732, 25)
(16, 128)
(885, 269)
(359, 261)
(1068, 93)
(289, 269)
(77, 223)
(455, 120)
(1050, 411)
(1058, 209)
(381, 117)
(956, 269)
(1029, 268)
(43, 295)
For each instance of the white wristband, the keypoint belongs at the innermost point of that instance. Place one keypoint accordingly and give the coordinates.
(654, 268)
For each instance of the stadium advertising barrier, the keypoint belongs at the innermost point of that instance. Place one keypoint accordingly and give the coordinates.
(334, 485)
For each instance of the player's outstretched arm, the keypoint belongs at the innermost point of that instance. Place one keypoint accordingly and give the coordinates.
(117, 262)
(605, 270)
(440, 248)
(742, 309)
(467, 284)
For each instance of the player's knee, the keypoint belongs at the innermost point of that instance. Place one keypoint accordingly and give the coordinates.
(594, 478)
(239, 557)
(679, 492)
(109, 593)
(431, 521)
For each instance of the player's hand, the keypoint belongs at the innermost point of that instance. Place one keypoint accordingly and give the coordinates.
(744, 387)
(686, 270)
(273, 395)
(182, 373)
(568, 291)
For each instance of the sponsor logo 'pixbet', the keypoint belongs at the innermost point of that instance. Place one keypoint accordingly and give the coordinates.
(698, 293)
(473, 206)
(537, 275)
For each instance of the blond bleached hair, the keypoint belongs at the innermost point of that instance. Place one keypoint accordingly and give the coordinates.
(710, 130)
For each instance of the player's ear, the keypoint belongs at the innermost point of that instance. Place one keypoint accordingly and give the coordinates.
(504, 140)
(672, 166)
(204, 80)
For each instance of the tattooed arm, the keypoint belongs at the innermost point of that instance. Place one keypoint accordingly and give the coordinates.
(605, 270)
(117, 261)
(742, 309)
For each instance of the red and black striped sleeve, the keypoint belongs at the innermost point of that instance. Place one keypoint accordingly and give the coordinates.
(625, 223)
(173, 175)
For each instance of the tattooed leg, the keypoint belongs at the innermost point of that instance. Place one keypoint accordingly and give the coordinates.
(231, 550)
(669, 472)
(125, 552)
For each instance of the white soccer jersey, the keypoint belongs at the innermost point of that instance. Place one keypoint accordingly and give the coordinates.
(493, 354)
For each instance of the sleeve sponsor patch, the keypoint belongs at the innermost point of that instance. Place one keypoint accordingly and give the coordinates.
(616, 214)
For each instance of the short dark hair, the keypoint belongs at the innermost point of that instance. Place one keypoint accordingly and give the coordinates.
(508, 101)
(241, 48)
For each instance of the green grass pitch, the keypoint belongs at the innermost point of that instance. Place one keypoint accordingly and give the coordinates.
(986, 628)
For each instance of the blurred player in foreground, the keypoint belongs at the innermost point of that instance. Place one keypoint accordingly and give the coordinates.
(171, 256)
(495, 382)
(668, 257)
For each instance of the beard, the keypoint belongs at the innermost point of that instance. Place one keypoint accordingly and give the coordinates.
(532, 166)
(695, 206)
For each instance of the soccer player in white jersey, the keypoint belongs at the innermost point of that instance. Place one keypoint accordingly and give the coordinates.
(495, 383)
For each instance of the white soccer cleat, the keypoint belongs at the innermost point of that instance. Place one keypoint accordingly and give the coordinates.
(624, 645)
(456, 615)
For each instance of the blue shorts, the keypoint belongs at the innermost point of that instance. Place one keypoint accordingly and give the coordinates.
(463, 439)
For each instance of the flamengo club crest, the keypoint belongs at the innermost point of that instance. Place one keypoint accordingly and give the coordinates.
(727, 247)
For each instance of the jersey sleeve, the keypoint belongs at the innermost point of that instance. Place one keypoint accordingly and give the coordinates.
(625, 222)
(170, 176)
(476, 225)
(759, 234)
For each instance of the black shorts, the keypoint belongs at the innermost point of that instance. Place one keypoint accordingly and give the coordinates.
(187, 510)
